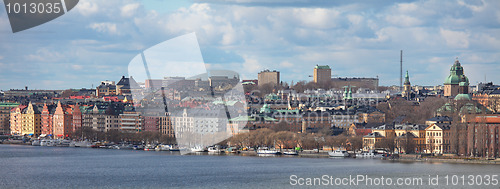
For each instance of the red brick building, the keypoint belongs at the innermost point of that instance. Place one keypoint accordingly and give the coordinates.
(483, 135)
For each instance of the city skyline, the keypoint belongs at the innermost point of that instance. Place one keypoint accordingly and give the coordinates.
(356, 39)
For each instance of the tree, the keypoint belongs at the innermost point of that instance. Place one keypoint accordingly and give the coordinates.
(356, 142)
(283, 138)
(386, 143)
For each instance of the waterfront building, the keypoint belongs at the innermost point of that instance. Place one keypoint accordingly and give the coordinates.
(438, 138)
(165, 126)
(16, 119)
(5, 108)
(269, 77)
(131, 121)
(370, 140)
(483, 135)
(102, 117)
(456, 83)
(31, 121)
(77, 117)
(62, 121)
(322, 74)
(47, 119)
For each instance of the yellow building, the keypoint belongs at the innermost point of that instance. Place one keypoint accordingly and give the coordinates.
(322, 74)
(385, 130)
(370, 140)
(269, 77)
(437, 138)
(31, 121)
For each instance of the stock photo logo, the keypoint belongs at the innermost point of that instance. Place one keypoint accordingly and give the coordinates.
(200, 115)
(26, 14)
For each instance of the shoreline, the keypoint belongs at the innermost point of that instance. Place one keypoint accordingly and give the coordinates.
(451, 161)
(324, 154)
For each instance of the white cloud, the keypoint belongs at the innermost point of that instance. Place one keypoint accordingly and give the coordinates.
(45, 55)
(105, 27)
(129, 10)
(403, 20)
(1, 57)
(455, 39)
(251, 64)
(286, 64)
(87, 8)
(76, 67)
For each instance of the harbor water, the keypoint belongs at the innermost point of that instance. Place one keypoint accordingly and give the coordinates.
(25, 166)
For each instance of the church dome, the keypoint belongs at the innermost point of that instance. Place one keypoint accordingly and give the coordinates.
(456, 75)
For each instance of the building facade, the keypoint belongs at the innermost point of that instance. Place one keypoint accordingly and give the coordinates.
(322, 74)
(62, 122)
(269, 77)
(5, 109)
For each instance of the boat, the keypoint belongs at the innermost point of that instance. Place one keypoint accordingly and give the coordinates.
(232, 150)
(149, 147)
(83, 144)
(213, 150)
(174, 148)
(292, 153)
(266, 150)
(369, 154)
(35, 142)
(138, 147)
(338, 153)
(47, 142)
(198, 149)
(62, 143)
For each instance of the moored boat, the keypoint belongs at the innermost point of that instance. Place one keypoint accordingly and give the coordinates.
(293, 153)
(266, 150)
(198, 149)
(338, 153)
(213, 149)
(369, 154)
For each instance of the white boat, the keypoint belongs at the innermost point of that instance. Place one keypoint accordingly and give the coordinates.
(47, 142)
(62, 143)
(338, 153)
(213, 150)
(35, 142)
(198, 149)
(293, 153)
(149, 147)
(368, 154)
(266, 150)
(84, 144)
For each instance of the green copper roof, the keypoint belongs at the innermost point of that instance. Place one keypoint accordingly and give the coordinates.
(462, 97)
(456, 75)
(322, 67)
(407, 78)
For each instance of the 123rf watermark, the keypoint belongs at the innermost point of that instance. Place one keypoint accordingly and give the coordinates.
(366, 180)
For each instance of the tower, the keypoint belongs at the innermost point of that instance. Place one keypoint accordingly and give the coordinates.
(407, 87)
(322, 74)
(456, 83)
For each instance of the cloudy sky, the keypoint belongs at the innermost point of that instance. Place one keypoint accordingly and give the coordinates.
(97, 39)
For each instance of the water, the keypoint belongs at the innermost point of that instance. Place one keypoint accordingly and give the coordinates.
(58, 167)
